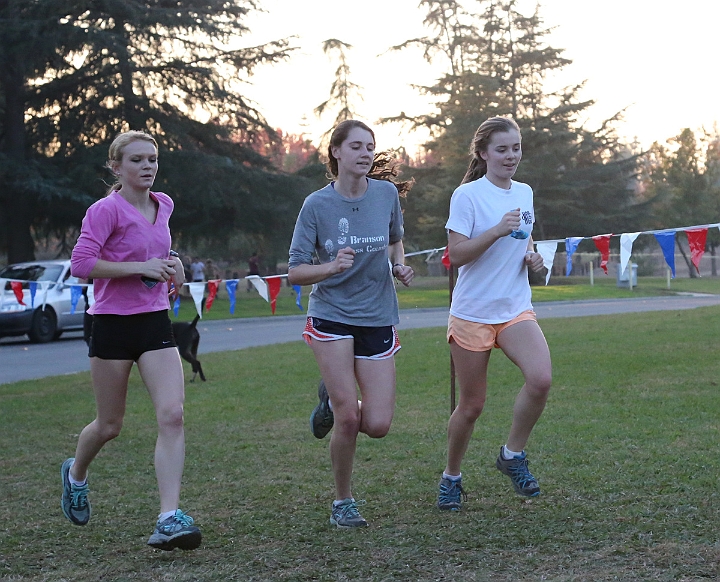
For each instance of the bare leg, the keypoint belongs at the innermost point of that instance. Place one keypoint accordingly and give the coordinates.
(162, 373)
(471, 370)
(525, 345)
(110, 380)
(336, 361)
(376, 380)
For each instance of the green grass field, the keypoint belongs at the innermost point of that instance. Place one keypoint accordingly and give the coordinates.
(627, 455)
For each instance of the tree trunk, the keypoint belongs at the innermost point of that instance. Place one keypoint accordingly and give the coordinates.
(17, 212)
(691, 268)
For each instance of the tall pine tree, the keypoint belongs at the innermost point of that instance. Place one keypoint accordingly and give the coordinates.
(498, 62)
(74, 74)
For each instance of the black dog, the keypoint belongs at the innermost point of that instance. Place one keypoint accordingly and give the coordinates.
(187, 338)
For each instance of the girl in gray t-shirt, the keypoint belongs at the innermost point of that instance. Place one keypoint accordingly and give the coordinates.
(347, 244)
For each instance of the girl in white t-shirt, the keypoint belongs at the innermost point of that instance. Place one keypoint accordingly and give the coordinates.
(490, 240)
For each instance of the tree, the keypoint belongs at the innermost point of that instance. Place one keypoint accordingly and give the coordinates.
(342, 91)
(288, 152)
(684, 180)
(74, 74)
(497, 63)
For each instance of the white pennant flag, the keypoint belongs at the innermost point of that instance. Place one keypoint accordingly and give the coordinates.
(197, 292)
(91, 294)
(626, 245)
(547, 252)
(44, 287)
(261, 286)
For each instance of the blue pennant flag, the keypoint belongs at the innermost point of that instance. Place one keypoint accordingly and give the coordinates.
(571, 244)
(33, 290)
(298, 293)
(176, 305)
(231, 287)
(75, 294)
(667, 244)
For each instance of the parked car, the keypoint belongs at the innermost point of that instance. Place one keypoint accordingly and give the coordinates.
(47, 317)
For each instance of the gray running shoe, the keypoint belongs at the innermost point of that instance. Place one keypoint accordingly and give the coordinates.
(177, 531)
(346, 514)
(450, 495)
(74, 503)
(322, 418)
(521, 477)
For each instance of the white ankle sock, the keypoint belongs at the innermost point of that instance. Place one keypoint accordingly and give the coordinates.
(508, 454)
(452, 477)
(163, 516)
(75, 481)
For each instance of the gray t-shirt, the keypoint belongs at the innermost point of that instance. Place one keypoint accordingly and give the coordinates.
(364, 294)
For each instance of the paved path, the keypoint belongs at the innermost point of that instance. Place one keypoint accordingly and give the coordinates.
(21, 360)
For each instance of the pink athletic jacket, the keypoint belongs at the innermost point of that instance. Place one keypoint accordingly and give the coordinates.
(114, 230)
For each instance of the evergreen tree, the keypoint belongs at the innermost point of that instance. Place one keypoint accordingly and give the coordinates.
(684, 181)
(497, 63)
(343, 91)
(74, 74)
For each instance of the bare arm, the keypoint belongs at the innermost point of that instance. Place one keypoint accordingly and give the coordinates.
(311, 274)
(532, 259)
(396, 254)
(464, 250)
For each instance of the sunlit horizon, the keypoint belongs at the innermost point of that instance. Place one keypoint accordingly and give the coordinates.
(656, 67)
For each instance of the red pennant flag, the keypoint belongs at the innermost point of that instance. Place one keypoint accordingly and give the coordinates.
(212, 292)
(273, 284)
(16, 286)
(445, 260)
(696, 240)
(602, 243)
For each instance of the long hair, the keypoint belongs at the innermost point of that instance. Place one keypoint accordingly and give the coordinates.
(385, 165)
(480, 142)
(117, 149)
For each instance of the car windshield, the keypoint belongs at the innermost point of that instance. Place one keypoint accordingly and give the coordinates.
(32, 272)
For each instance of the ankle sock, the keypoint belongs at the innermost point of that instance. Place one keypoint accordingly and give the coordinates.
(164, 515)
(75, 481)
(507, 454)
(452, 477)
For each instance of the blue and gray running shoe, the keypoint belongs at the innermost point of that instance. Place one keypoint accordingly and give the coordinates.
(74, 503)
(346, 514)
(451, 495)
(322, 418)
(177, 531)
(521, 477)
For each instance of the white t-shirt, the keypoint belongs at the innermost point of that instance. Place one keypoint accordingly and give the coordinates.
(493, 288)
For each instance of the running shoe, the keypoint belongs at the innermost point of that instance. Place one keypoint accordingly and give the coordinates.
(521, 477)
(74, 503)
(451, 495)
(346, 514)
(322, 418)
(177, 531)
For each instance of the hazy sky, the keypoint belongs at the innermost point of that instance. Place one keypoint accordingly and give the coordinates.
(657, 59)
